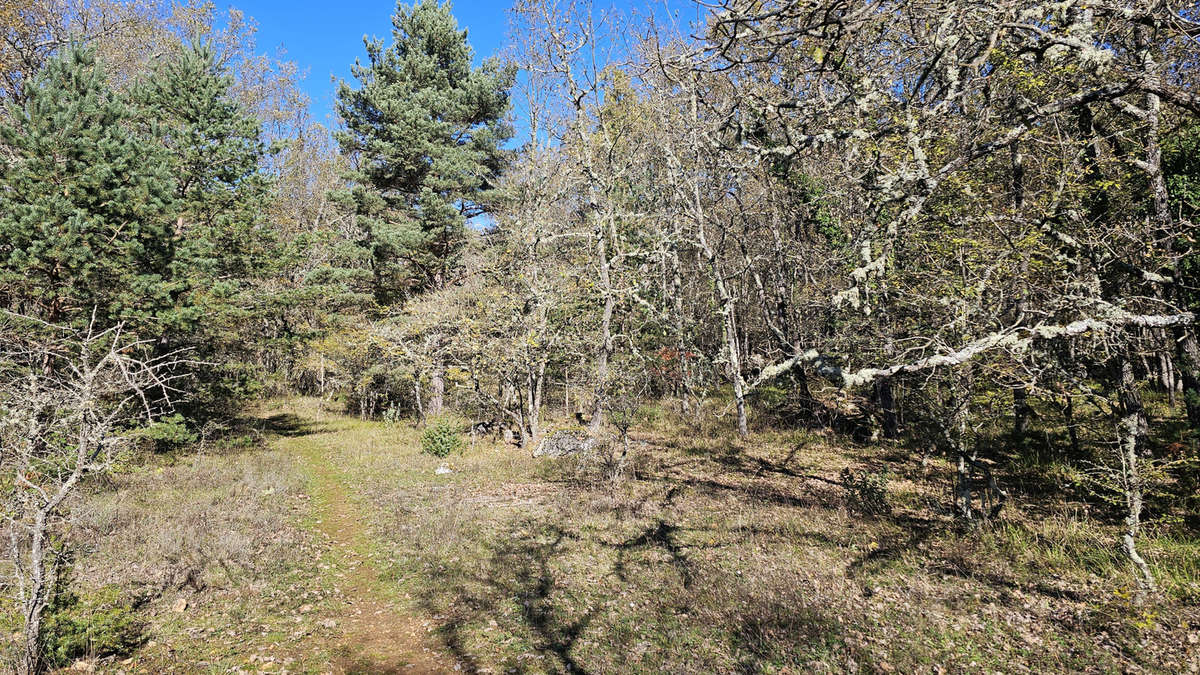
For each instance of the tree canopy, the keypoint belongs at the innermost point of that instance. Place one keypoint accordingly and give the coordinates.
(426, 130)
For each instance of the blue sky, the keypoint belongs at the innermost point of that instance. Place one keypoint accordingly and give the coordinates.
(325, 36)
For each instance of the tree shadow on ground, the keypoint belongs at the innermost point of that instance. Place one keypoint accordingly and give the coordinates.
(362, 665)
(531, 565)
(251, 434)
(912, 533)
(962, 569)
(519, 569)
(288, 425)
(534, 563)
(772, 623)
(759, 481)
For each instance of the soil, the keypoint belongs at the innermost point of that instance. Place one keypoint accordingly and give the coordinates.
(378, 635)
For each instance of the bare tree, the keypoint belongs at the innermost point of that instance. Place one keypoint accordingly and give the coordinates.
(59, 427)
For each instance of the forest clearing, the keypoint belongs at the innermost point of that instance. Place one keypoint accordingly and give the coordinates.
(721, 555)
(683, 336)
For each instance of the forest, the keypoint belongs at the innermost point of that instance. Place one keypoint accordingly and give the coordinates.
(762, 336)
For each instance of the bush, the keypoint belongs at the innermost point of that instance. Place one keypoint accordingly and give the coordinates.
(442, 436)
(393, 415)
(866, 492)
(169, 433)
(99, 624)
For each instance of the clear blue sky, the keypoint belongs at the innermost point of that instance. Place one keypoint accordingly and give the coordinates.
(325, 36)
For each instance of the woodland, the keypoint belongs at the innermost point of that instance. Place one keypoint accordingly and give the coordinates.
(760, 336)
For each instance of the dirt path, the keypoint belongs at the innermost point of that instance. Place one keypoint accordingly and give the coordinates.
(377, 635)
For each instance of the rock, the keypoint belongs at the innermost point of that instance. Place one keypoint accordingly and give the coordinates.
(565, 443)
(443, 470)
(180, 605)
(83, 667)
(305, 608)
(329, 623)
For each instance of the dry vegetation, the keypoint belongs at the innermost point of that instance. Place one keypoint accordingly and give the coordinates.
(713, 554)
(210, 550)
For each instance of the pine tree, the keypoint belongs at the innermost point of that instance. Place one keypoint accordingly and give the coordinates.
(426, 130)
(216, 152)
(226, 248)
(85, 205)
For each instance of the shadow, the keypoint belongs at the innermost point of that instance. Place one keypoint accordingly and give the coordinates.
(530, 566)
(772, 622)
(660, 535)
(519, 569)
(250, 434)
(759, 489)
(820, 539)
(740, 461)
(957, 568)
(756, 493)
(917, 531)
(361, 665)
(287, 425)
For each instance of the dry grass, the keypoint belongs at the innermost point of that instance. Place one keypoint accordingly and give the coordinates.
(712, 555)
(222, 533)
(729, 557)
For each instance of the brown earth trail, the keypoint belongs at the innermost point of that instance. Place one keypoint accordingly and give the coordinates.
(378, 635)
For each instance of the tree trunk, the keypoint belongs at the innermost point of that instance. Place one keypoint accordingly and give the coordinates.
(533, 399)
(956, 432)
(1130, 432)
(972, 476)
(735, 364)
(36, 598)
(605, 347)
(1072, 428)
(437, 386)
(682, 388)
(1188, 365)
(1186, 345)
(1166, 375)
(417, 395)
(885, 399)
(1022, 413)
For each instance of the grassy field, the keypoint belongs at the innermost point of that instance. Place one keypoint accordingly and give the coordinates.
(334, 546)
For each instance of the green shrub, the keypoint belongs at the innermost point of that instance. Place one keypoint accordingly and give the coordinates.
(169, 433)
(866, 492)
(442, 436)
(99, 624)
(393, 415)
